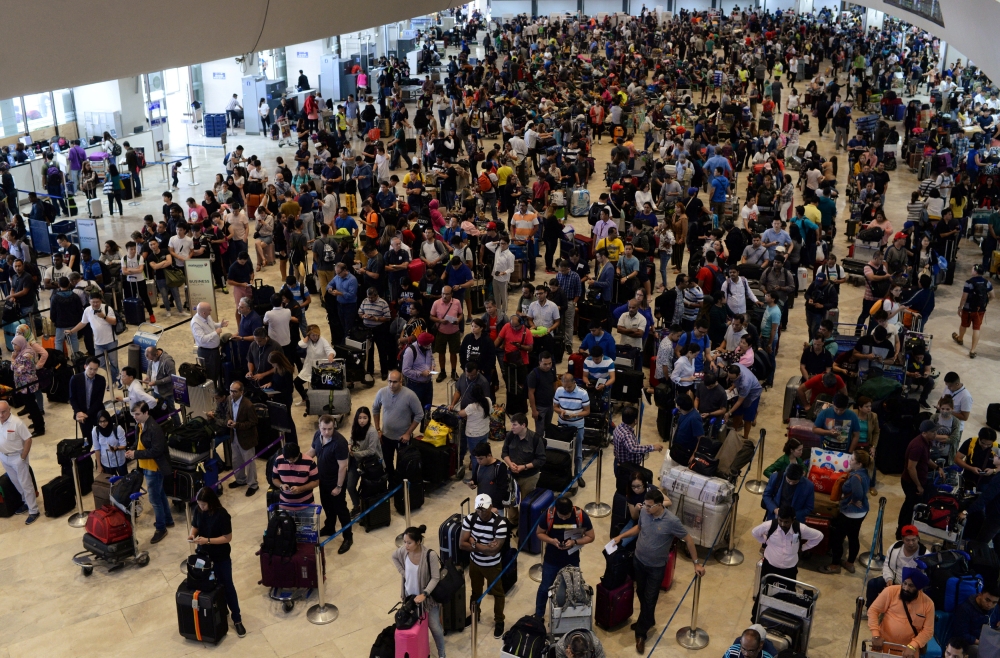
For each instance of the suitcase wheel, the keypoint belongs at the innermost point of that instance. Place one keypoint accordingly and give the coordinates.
(87, 571)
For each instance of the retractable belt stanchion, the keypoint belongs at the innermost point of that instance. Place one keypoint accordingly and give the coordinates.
(191, 545)
(875, 558)
(731, 556)
(759, 484)
(692, 637)
(535, 572)
(597, 509)
(475, 635)
(78, 520)
(406, 511)
(859, 605)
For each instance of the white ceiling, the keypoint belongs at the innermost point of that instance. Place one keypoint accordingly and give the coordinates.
(970, 28)
(111, 39)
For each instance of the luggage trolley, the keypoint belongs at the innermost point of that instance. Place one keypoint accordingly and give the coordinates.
(783, 604)
(307, 526)
(130, 490)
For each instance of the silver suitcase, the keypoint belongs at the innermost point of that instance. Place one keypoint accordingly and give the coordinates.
(329, 402)
(791, 391)
(95, 208)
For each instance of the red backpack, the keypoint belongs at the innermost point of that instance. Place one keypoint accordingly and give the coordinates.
(550, 517)
(109, 525)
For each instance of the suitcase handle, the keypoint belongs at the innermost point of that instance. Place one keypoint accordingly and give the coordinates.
(463, 504)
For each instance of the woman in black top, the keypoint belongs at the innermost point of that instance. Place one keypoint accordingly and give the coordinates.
(281, 380)
(552, 229)
(212, 531)
(210, 203)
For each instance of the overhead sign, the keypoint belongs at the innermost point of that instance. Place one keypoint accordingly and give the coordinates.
(216, 75)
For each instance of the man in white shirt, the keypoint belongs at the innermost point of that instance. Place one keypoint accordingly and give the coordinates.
(632, 325)
(234, 111)
(59, 269)
(503, 267)
(960, 396)
(783, 539)
(207, 337)
(15, 444)
(278, 322)
(180, 245)
(738, 293)
(134, 392)
(101, 319)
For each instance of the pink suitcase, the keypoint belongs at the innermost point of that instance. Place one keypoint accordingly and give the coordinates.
(298, 570)
(613, 606)
(802, 429)
(414, 642)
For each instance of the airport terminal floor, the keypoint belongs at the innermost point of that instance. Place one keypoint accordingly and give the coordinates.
(49, 608)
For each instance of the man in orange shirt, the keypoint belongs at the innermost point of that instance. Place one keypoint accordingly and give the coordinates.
(903, 615)
(371, 221)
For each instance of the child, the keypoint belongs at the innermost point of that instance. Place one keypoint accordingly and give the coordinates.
(174, 173)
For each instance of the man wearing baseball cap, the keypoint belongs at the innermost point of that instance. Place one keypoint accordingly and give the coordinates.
(896, 256)
(902, 614)
(485, 534)
(901, 555)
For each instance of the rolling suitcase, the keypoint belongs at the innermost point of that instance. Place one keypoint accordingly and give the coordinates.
(201, 615)
(613, 607)
(668, 572)
(821, 523)
(453, 612)
(627, 386)
(95, 208)
(135, 312)
(449, 534)
(802, 429)
(623, 479)
(509, 577)
(435, 462)
(113, 552)
(791, 393)
(59, 496)
(297, 571)
(10, 497)
(371, 492)
(783, 623)
(853, 266)
(533, 506)
(414, 642)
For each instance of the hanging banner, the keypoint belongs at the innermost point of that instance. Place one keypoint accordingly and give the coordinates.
(86, 233)
(200, 286)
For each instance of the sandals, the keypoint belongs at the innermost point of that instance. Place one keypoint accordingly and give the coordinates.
(955, 338)
(972, 355)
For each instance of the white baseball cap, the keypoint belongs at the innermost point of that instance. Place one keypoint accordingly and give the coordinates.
(483, 501)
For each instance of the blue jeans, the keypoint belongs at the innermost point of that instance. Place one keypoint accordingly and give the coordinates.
(549, 572)
(167, 293)
(473, 441)
(424, 391)
(223, 570)
(74, 340)
(158, 499)
(578, 459)
(112, 358)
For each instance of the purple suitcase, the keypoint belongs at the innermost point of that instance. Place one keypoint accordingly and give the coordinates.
(614, 606)
(413, 642)
(298, 570)
(802, 429)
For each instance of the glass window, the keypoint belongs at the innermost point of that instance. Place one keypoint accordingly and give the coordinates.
(65, 106)
(38, 108)
(11, 121)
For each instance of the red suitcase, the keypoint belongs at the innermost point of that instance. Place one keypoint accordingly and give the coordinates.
(413, 642)
(298, 570)
(803, 430)
(614, 607)
(653, 379)
(576, 364)
(668, 573)
(416, 270)
(821, 523)
(109, 525)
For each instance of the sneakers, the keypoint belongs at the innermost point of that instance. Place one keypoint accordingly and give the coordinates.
(31, 519)
(169, 314)
(498, 630)
(241, 630)
(441, 376)
(158, 536)
(23, 509)
(225, 290)
(152, 318)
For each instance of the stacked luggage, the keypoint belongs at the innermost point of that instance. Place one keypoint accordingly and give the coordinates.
(570, 602)
(409, 466)
(288, 550)
(557, 472)
(59, 494)
(201, 605)
(701, 503)
(628, 375)
(192, 456)
(453, 557)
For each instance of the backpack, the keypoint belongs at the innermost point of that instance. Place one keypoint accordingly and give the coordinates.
(718, 276)
(594, 215)
(526, 638)
(279, 538)
(485, 184)
(880, 288)
(796, 529)
(569, 588)
(225, 160)
(979, 297)
(385, 644)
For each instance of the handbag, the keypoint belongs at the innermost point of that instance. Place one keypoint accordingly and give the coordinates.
(408, 613)
(451, 580)
(174, 277)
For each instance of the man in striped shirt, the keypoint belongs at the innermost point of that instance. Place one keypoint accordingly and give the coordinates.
(295, 476)
(485, 534)
(572, 404)
(374, 313)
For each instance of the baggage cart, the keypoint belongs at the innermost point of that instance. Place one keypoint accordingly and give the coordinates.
(87, 558)
(307, 527)
(286, 133)
(147, 335)
(791, 597)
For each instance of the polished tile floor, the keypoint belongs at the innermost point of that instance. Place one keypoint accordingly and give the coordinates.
(49, 609)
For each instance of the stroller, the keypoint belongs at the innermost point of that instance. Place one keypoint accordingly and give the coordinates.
(110, 536)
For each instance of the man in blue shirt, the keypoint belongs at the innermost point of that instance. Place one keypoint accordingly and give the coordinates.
(385, 197)
(774, 237)
(345, 221)
(690, 429)
(839, 422)
(698, 336)
(770, 325)
(720, 187)
(345, 288)
(827, 205)
(460, 279)
(363, 175)
(718, 162)
(748, 390)
(599, 337)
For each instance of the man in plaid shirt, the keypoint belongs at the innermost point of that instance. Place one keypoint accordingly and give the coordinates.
(627, 447)
(572, 288)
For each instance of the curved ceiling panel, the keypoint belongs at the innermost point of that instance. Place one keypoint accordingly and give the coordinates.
(969, 26)
(111, 39)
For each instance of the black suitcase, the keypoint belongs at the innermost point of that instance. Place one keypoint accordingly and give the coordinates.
(853, 266)
(453, 612)
(628, 386)
(85, 469)
(380, 517)
(509, 577)
(416, 498)
(750, 272)
(10, 497)
(434, 461)
(135, 312)
(554, 482)
(993, 416)
(625, 472)
(115, 552)
(617, 567)
(890, 458)
(627, 358)
(558, 462)
(784, 623)
(205, 622)
(449, 534)
(58, 496)
(984, 561)
(587, 312)
(478, 299)
(183, 484)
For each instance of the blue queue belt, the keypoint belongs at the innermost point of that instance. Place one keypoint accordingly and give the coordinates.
(42, 194)
(207, 146)
(370, 509)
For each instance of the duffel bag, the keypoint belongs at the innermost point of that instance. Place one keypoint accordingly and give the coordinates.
(194, 374)
(328, 376)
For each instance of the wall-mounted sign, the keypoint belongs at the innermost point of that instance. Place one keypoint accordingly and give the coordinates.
(218, 75)
(302, 54)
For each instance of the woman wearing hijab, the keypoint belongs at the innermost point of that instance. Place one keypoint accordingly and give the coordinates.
(26, 379)
(109, 441)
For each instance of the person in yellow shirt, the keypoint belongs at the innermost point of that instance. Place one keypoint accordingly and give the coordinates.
(902, 614)
(812, 211)
(613, 244)
(503, 173)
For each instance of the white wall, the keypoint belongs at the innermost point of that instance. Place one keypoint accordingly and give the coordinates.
(875, 18)
(783, 5)
(304, 56)
(218, 92)
(512, 7)
(595, 7)
(692, 5)
(133, 111)
(546, 7)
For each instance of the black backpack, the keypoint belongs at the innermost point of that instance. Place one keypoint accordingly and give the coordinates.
(279, 538)
(979, 297)
(594, 214)
(526, 638)
(385, 644)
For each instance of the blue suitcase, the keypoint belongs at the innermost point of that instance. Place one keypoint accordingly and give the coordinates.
(135, 312)
(533, 506)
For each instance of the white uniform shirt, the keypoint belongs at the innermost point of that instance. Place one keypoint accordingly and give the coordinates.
(13, 434)
(782, 549)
